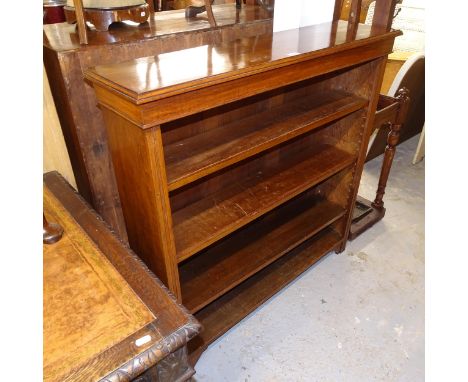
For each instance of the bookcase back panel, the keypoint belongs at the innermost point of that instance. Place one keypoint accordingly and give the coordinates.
(222, 116)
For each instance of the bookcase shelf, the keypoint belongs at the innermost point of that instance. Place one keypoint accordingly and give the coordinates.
(236, 178)
(227, 264)
(189, 159)
(217, 215)
(222, 314)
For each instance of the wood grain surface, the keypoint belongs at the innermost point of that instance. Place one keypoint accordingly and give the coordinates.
(151, 78)
(246, 188)
(224, 266)
(100, 301)
(88, 306)
(221, 213)
(80, 118)
(205, 153)
(64, 37)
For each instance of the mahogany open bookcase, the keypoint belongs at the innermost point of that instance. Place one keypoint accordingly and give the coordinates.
(238, 164)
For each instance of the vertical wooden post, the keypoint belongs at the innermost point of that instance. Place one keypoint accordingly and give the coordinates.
(209, 11)
(383, 14)
(337, 10)
(392, 141)
(140, 171)
(376, 77)
(80, 21)
(353, 19)
(355, 11)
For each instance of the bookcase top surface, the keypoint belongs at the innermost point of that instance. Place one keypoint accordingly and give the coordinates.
(150, 78)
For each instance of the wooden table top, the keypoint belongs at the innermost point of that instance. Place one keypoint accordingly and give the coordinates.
(97, 320)
(150, 78)
(63, 37)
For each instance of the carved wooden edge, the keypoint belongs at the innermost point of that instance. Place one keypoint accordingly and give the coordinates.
(169, 369)
(174, 368)
(154, 354)
(61, 179)
(169, 344)
(350, 200)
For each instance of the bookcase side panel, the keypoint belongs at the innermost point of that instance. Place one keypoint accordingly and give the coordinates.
(141, 179)
(372, 87)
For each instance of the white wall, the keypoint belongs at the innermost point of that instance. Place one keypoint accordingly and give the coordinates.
(291, 14)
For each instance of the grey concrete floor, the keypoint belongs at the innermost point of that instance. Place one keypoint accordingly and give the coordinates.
(356, 316)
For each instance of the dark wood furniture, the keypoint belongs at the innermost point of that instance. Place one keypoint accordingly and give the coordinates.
(51, 232)
(82, 124)
(106, 316)
(240, 172)
(193, 10)
(390, 112)
(102, 18)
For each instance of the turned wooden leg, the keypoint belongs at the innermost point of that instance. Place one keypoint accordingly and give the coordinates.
(209, 11)
(392, 141)
(51, 232)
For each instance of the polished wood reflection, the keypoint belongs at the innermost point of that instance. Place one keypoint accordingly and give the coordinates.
(81, 120)
(153, 77)
(64, 37)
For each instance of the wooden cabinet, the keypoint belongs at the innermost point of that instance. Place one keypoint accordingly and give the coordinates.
(239, 169)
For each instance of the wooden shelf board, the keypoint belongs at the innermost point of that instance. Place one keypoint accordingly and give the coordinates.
(227, 311)
(192, 158)
(224, 266)
(206, 221)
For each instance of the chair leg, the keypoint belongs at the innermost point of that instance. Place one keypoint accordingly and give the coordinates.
(209, 11)
(80, 22)
(392, 141)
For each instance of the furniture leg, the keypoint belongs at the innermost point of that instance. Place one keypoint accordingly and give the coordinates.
(80, 22)
(193, 11)
(51, 232)
(367, 213)
(209, 11)
(392, 141)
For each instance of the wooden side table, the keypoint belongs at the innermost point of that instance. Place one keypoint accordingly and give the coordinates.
(106, 316)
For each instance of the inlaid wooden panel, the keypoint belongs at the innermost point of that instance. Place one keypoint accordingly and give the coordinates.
(88, 306)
